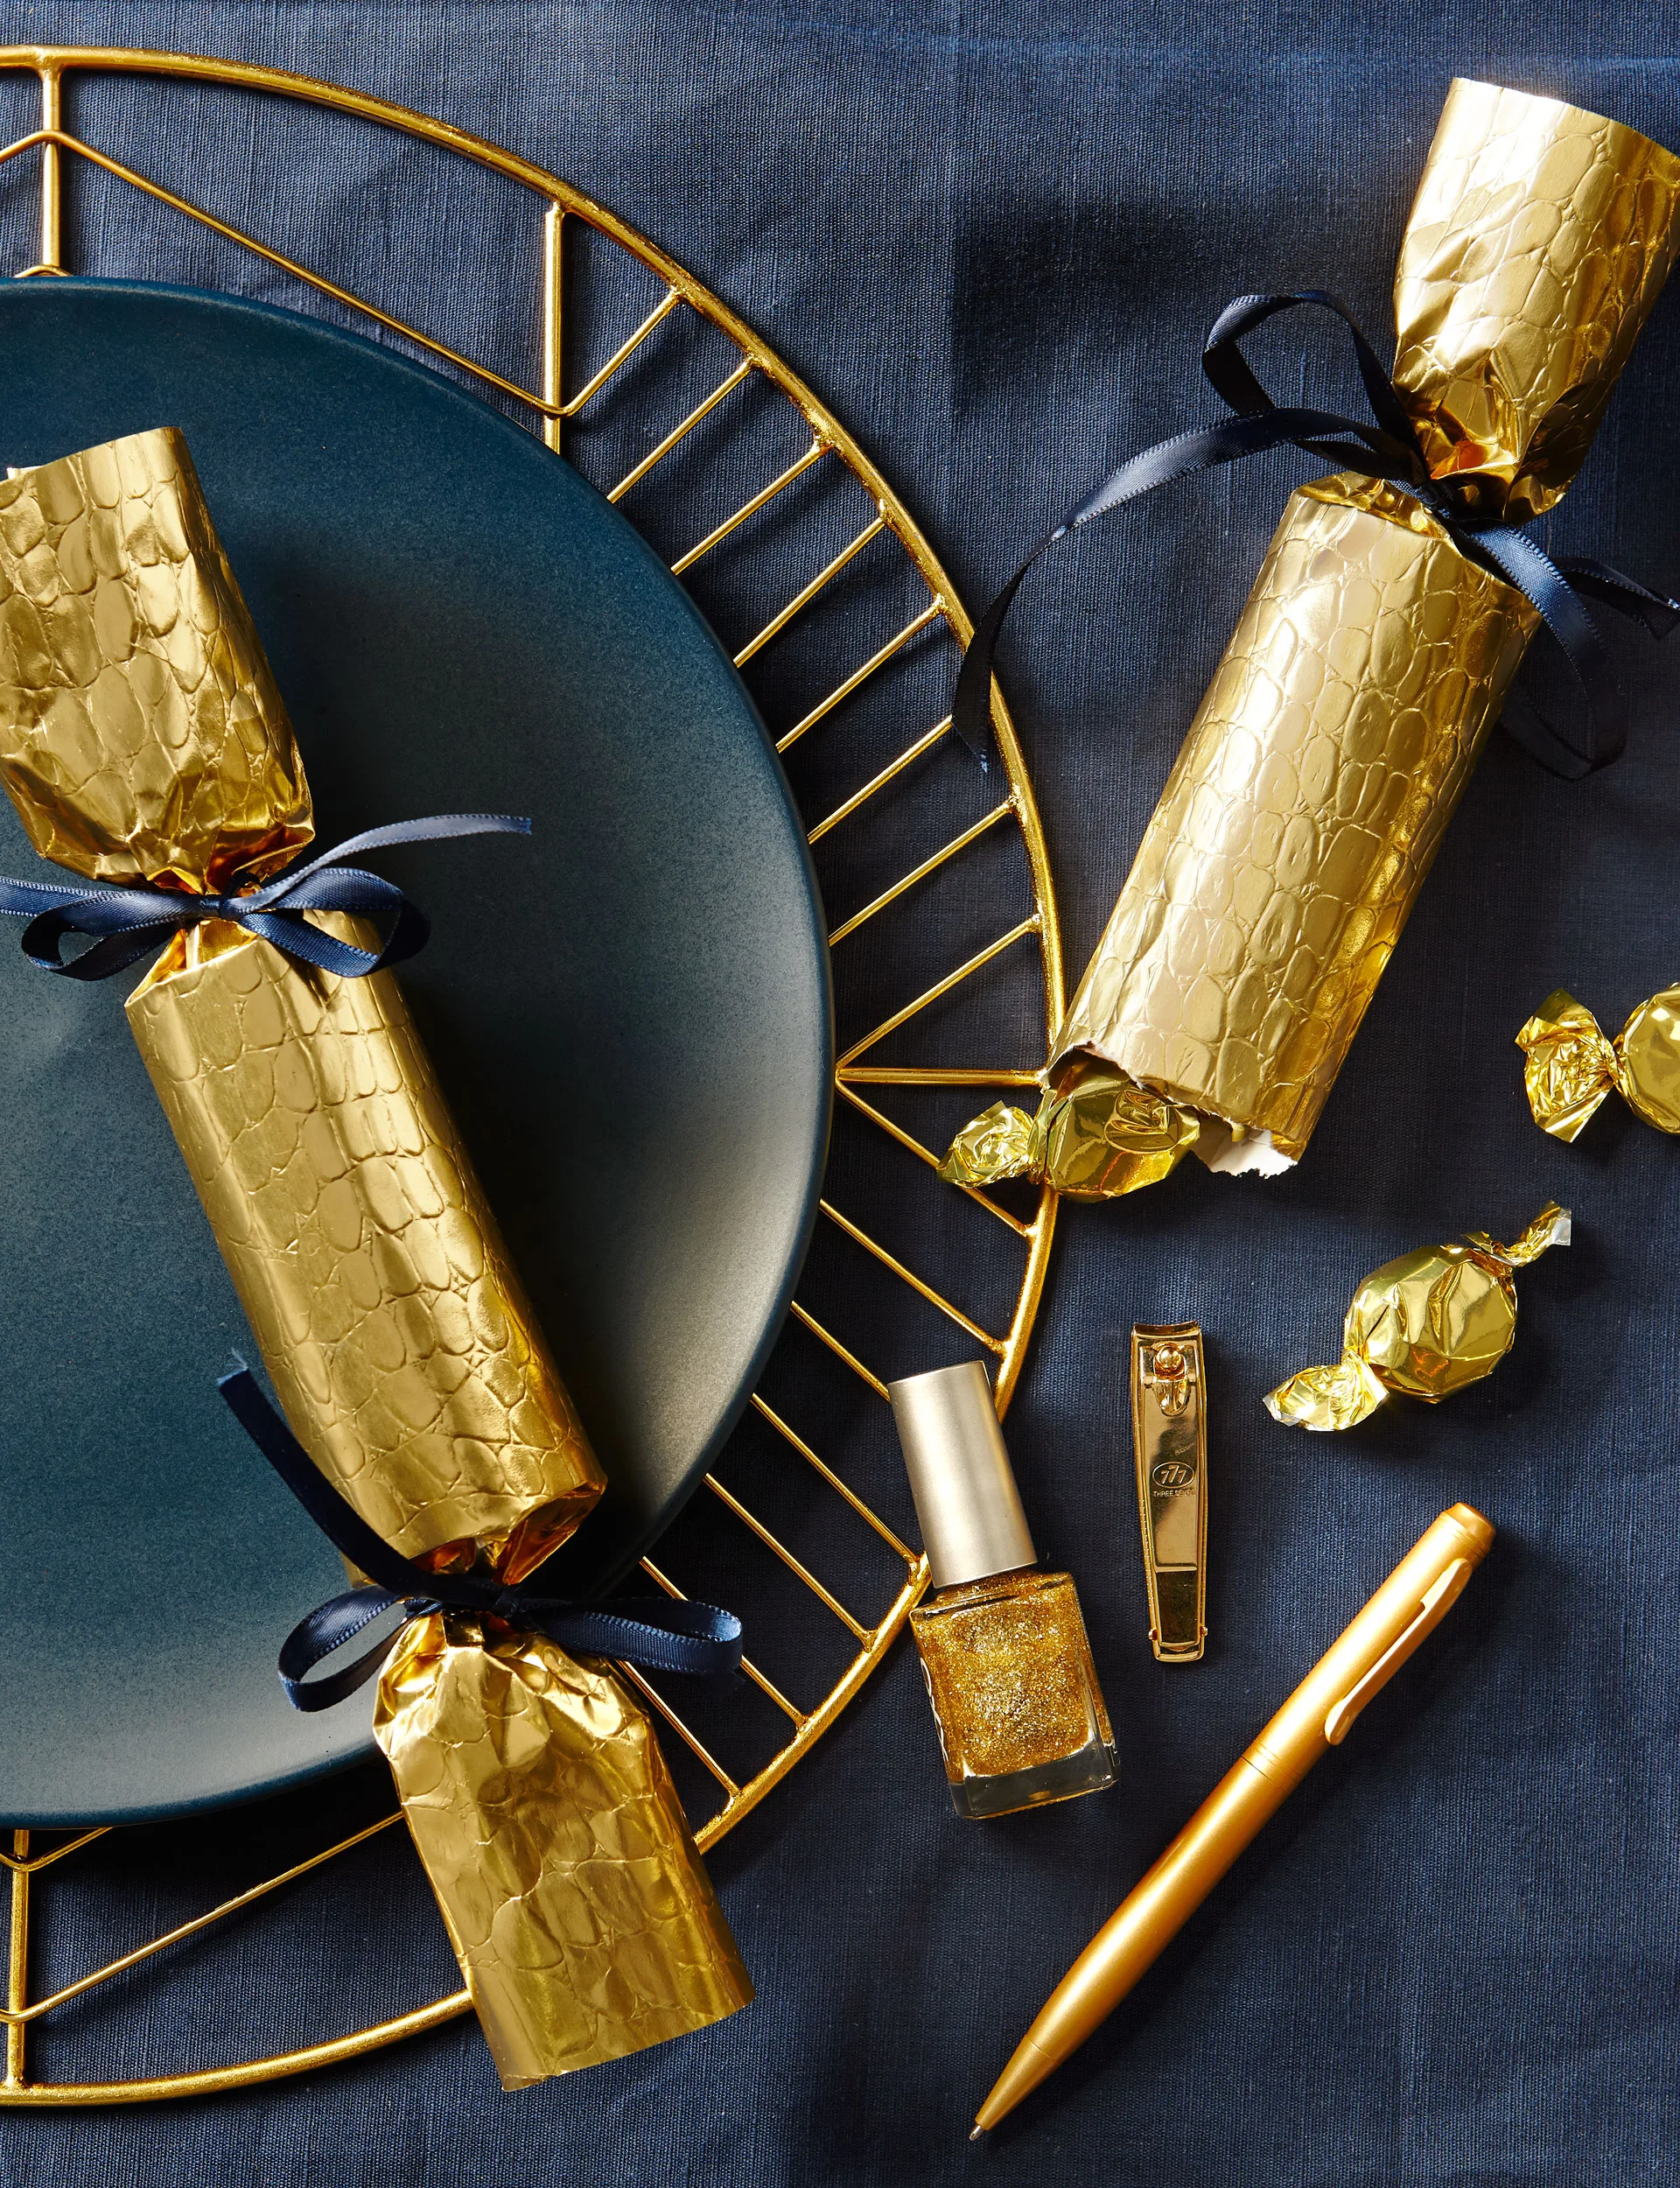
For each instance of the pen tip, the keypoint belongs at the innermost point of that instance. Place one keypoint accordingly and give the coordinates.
(976, 2134)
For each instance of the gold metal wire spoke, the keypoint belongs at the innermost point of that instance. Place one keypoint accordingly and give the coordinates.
(673, 421)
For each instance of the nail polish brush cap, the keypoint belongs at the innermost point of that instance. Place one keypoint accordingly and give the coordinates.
(969, 1511)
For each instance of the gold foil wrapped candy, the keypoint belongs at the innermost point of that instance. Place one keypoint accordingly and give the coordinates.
(1423, 1326)
(1572, 1067)
(1369, 662)
(1096, 1135)
(142, 738)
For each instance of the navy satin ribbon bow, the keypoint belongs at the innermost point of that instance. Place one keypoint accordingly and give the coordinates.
(658, 1633)
(1389, 449)
(132, 922)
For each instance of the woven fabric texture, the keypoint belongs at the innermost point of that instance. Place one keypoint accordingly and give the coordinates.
(992, 237)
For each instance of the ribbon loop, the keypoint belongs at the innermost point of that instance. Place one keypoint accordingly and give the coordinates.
(328, 1627)
(1389, 449)
(1599, 582)
(131, 921)
(658, 1633)
(1229, 375)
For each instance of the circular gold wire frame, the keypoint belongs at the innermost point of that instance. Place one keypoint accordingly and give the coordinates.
(550, 407)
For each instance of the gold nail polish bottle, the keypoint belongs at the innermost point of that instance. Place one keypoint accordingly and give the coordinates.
(1009, 1669)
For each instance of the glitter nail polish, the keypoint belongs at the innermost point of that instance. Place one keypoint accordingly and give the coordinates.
(1009, 1671)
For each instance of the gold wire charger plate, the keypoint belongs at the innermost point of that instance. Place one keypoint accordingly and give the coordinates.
(664, 376)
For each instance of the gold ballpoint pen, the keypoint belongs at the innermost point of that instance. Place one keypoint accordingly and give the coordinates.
(1410, 1604)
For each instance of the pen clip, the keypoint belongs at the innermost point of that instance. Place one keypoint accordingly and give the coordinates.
(1435, 1605)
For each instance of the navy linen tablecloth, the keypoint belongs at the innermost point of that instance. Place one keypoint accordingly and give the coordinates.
(992, 237)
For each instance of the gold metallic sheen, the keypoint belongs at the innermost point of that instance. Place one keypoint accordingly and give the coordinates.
(1096, 1135)
(1009, 1674)
(1169, 1430)
(368, 1263)
(1539, 240)
(141, 738)
(1372, 658)
(1570, 1066)
(1001, 1143)
(1300, 818)
(56, 145)
(1424, 1326)
(366, 1257)
(1399, 1617)
(553, 1837)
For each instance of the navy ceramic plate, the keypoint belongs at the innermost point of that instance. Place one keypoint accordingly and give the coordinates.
(630, 1014)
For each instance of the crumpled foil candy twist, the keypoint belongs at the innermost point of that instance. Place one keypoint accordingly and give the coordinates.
(141, 738)
(1097, 1133)
(1423, 1326)
(1369, 663)
(1572, 1066)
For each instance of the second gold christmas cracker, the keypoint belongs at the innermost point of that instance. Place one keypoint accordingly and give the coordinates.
(1367, 667)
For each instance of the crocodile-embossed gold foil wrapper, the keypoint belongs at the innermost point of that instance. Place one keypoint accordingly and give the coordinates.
(1570, 1066)
(537, 1794)
(1539, 240)
(365, 1255)
(141, 738)
(1302, 815)
(1372, 657)
(1424, 1326)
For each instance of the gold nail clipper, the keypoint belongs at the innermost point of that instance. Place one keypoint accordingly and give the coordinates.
(1169, 1427)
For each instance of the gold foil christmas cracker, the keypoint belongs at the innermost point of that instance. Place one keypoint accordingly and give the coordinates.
(1570, 1066)
(142, 739)
(1367, 669)
(1424, 1326)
